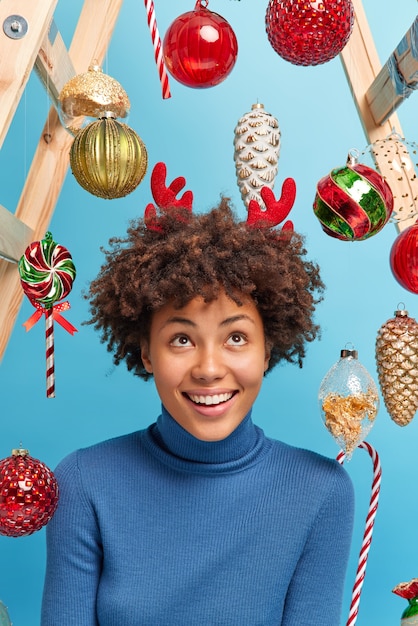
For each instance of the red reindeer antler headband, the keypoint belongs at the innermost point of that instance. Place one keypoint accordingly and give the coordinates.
(165, 197)
(167, 202)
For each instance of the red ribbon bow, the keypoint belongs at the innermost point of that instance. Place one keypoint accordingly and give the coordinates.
(56, 315)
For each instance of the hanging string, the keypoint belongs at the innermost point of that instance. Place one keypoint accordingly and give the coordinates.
(106, 56)
(368, 532)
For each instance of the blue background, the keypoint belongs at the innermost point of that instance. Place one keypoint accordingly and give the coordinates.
(193, 133)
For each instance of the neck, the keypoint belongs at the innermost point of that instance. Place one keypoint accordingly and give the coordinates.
(182, 449)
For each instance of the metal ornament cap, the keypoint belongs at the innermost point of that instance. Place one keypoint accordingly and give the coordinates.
(345, 353)
(20, 452)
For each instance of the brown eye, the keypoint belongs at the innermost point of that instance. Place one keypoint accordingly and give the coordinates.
(180, 340)
(237, 339)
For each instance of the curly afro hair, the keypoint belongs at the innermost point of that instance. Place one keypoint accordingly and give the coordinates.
(201, 255)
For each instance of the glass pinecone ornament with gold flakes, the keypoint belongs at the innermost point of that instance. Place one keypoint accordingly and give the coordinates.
(349, 401)
(256, 155)
(397, 366)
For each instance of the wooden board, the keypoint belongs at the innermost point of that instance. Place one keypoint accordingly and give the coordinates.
(18, 56)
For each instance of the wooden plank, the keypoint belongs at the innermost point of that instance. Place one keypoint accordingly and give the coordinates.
(14, 236)
(397, 79)
(50, 163)
(361, 65)
(18, 55)
(53, 63)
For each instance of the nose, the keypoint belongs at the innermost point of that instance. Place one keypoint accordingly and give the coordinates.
(209, 364)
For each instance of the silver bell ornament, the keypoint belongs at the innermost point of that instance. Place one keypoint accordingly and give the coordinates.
(349, 401)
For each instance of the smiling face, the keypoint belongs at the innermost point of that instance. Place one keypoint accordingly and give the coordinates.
(208, 362)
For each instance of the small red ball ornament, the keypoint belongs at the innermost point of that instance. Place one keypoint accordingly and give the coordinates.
(28, 494)
(309, 32)
(200, 48)
(354, 202)
(404, 258)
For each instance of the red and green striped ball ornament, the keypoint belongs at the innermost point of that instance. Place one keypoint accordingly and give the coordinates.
(354, 202)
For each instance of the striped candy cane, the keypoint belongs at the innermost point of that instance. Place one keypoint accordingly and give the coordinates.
(367, 537)
(158, 51)
(52, 314)
(50, 361)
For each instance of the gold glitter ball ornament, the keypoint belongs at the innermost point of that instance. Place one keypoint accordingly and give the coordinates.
(108, 158)
(92, 94)
(397, 366)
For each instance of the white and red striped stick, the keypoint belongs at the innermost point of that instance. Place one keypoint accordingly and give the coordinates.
(158, 49)
(50, 360)
(368, 532)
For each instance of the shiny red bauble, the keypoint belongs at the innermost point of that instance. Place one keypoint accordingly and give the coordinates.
(404, 258)
(200, 48)
(28, 494)
(309, 32)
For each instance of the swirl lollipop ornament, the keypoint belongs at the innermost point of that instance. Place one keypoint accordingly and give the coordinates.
(47, 273)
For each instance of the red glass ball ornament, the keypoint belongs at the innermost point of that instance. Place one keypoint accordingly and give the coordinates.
(28, 494)
(354, 202)
(309, 32)
(404, 258)
(200, 48)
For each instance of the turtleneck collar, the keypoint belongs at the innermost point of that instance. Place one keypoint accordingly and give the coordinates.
(175, 446)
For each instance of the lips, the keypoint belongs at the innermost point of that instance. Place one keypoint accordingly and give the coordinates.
(210, 400)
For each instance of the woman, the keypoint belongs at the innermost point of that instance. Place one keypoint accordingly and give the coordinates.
(201, 519)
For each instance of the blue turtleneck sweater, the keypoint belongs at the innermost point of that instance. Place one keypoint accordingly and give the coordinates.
(157, 528)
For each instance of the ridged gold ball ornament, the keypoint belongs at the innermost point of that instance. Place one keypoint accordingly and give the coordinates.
(91, 94)
(256, 154)
(397, 366)
(108, 158)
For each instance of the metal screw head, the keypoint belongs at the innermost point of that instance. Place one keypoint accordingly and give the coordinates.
(15, 26)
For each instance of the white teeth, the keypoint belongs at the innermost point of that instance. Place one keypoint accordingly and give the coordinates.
(210, 400)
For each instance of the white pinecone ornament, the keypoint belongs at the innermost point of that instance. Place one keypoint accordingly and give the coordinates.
(397, 366)
(256, 155)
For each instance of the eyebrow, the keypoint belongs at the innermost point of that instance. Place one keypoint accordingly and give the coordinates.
(226, 322)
